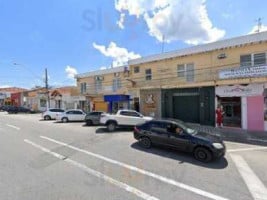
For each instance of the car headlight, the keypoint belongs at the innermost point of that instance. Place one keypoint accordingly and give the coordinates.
(217, 145)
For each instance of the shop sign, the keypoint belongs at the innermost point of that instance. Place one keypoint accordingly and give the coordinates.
(243, 72)
(239, 90)
(149, 101)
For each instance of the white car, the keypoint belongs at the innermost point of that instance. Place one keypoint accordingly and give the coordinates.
(123, 118)
(71, 115)
(51, 113)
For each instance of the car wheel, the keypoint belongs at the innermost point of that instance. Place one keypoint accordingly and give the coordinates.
(145, 142)
(111, 126)
(65, 120)
(202, 154)
(47, 117)
(89, 122)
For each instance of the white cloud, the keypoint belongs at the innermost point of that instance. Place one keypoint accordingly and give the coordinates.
(119, 55)
(174, 19)
(255, 29)
(5, 86)
(71, 72)
(121, 21)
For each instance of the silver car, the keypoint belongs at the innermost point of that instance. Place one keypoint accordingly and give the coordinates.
(71, 115)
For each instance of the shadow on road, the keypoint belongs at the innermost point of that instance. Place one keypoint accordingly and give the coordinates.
(181, 157)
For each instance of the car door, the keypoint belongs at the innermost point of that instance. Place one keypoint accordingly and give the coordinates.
(79, 115)
(158, 133)
(71, 115)
(125, 118)
(180, 141)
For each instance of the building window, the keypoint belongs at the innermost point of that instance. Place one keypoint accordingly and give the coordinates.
(190, 73)
(98, 85)
(245, 60)
(116, 84)
(186, 71)
(148, 74)
(136, 69)
(253, 59)
(83, 88)
(181, 70)
(259, 59)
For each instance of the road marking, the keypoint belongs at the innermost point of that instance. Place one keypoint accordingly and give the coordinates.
(246, 149)
(12, 126)
(141, 171)
(255, 186)
(97, 174)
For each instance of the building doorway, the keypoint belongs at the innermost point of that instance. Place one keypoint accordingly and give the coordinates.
(232, 111)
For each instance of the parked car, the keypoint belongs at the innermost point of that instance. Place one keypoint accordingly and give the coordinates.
(12, 109)
(93, 118)
(18, 109)
(22, 109)
(71, 115)
(51, 113)
(123, 118)
(178, 135)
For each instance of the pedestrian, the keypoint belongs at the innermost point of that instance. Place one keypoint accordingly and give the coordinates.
(219, 116)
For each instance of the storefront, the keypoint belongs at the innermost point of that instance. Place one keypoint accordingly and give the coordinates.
(116, 102)
(16, 99)
(243, 105)
(195, 105)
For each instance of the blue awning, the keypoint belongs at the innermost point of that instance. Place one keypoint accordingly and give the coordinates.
(116, 97)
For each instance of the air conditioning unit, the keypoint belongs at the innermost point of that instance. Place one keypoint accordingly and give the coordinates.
(117, 74)
(99, 78)
(221, 56)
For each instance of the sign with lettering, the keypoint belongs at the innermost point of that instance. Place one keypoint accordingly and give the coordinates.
(243, 72)
(239, 90)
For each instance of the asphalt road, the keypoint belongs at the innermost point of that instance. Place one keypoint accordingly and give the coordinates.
(41, 160)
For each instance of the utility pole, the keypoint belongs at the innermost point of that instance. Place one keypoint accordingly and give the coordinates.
(47, 89)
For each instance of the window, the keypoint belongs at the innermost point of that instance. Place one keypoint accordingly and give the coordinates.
(245, 60)
(42, 102)
(158, 127)
(116, 84)
(186, 71)
(148, 74)
(190, 72)
(98, 85)
(129, 113)
(181, 70)
(259, 59)
(253, 59)
(136, 69)
(83, 88)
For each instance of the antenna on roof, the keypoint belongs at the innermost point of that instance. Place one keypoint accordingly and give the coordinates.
(163, 40)
(259, 24)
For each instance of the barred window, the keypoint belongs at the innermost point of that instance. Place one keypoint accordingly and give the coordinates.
(148, 74)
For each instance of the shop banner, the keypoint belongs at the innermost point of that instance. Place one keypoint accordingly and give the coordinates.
(243, 72)
(239, 90)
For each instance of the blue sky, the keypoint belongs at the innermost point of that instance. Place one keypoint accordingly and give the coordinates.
(77, 36)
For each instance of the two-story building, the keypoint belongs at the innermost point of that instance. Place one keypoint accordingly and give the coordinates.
(105, 90)
(188, 84)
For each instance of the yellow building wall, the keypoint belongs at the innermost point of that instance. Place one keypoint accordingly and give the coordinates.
(206, 68)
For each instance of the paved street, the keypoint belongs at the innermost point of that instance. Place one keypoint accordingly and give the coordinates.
(43, 160)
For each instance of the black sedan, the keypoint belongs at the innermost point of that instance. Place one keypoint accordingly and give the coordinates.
(176, 134)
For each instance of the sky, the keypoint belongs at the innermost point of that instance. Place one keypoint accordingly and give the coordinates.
(68, 37)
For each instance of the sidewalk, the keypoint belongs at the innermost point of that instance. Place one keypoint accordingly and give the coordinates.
(235, 134)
